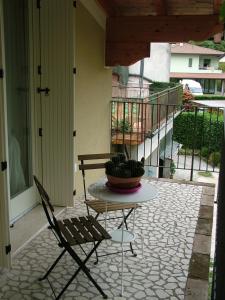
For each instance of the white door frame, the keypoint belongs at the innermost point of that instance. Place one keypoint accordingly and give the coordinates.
(5, 259)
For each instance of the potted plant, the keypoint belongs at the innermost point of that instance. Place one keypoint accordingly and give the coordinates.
(122, 173)
(172, 169)
(123, 126)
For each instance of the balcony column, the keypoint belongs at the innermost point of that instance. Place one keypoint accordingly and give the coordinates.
(215, 89)
(222, 88)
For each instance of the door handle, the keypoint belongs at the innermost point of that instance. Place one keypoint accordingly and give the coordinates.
(45, 90)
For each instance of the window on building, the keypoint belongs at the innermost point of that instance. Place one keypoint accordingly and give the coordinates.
(209, 86)
(206, 62)
(190, 62)
(219, 85)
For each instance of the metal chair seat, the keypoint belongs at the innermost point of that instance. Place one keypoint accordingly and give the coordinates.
(78, 231)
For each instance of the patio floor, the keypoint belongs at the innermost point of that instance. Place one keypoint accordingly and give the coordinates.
(168, 224)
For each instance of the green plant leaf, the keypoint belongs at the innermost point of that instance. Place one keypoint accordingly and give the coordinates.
(222, 12)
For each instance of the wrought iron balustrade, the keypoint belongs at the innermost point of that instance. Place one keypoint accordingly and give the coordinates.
(168, 135)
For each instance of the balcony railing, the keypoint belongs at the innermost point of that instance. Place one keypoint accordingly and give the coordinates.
(134, 119)
(167, 135)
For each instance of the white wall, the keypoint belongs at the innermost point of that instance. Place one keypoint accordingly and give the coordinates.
(157, 67)
(179, 63)
(93, 92)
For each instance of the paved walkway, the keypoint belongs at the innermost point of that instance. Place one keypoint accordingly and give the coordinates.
(168, 224)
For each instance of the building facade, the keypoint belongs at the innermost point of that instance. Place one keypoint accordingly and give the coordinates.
(198, 63)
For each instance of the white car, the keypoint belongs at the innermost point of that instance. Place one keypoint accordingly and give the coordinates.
(193, 86)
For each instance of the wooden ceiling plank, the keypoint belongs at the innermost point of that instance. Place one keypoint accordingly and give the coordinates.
(125, 54)
(190, 7)
(161, 7)
(161, 28)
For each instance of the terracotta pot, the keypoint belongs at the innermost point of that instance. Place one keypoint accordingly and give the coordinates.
(125, 183)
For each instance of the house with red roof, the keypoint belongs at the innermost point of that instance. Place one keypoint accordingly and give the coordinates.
(190, 61)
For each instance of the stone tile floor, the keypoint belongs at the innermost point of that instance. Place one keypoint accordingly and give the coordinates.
(168, 225)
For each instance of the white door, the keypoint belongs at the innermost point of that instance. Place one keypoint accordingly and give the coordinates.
(4, 213)
(57, 99)
(18, 66)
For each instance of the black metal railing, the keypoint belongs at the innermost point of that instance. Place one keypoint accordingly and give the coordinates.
(169, 136)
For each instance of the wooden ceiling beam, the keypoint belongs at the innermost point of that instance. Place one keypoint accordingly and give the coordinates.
(161, 28)
(107, 6)
(161, 7)
(125, 54)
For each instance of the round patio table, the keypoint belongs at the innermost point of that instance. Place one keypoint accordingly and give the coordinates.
(99, 190)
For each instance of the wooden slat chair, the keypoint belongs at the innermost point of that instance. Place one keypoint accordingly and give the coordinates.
(98, 205)
(72, 232)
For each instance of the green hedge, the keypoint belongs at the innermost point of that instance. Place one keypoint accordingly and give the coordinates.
(206, 133)
(158, 86)
(207, 97)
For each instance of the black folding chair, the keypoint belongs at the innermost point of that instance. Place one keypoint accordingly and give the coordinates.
(71, 232)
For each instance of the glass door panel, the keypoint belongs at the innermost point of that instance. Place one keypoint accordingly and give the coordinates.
(18, 94)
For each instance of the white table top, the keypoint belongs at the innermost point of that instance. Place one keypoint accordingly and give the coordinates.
(146, 193)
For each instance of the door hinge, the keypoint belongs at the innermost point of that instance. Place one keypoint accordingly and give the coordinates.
(45, 90)
(39, 70)
(74, 133)
(74, 193)
(74, 70)
(39, 4)
(40, 132)
(1, 73)
(8, 249)
(3, 165)
(75, 4)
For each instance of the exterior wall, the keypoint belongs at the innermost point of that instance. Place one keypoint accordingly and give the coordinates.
(157, 67)
(131, 90)
(93, 92)
(179, 63)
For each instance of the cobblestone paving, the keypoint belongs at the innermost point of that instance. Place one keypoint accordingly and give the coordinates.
(168, 225)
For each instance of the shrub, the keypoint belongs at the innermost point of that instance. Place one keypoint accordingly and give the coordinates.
(214, 159)
(205, 152)
(172, 168)
(123, 126)
(207, 97)
(187, 95)
(187, 151)
(202, 130)
(158, 86)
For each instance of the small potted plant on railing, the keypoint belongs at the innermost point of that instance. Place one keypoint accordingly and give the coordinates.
(123, 126)
(122, 173)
